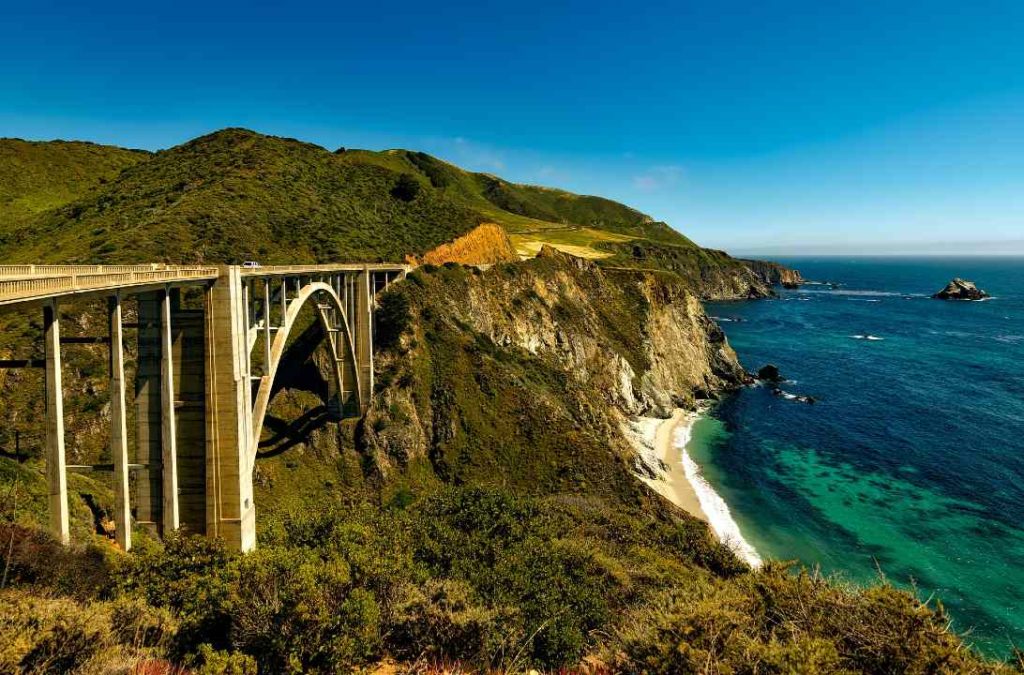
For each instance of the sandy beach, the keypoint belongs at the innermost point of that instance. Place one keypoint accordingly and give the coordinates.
(673, 484)
(661, 447)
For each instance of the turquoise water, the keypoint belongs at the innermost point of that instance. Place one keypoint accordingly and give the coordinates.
(911, 463)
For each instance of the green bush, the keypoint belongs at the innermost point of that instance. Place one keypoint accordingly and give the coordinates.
(406, 188)
(298, 611)
(392, 318)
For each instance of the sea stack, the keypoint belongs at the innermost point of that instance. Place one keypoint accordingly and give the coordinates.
(960, 289)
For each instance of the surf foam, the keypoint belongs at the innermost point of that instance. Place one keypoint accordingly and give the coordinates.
(711, 503)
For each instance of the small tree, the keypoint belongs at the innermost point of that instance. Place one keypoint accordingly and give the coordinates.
(406, 188)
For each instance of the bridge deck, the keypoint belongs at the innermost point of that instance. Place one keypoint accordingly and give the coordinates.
(27, 284)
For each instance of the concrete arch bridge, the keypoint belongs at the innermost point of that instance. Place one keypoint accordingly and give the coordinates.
(203, 380)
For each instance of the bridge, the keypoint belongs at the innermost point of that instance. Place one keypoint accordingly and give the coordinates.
(210, 341)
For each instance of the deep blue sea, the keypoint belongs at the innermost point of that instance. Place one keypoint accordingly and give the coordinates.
(911, 463)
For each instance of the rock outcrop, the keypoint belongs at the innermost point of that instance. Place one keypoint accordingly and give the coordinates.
(769, 373)
(710, 274)
(774, 274)
(960, 289)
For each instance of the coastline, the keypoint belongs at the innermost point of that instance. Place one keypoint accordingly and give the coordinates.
(673, 484)
(678, 478)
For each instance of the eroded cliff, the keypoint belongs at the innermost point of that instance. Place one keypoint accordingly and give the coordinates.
(523, 373)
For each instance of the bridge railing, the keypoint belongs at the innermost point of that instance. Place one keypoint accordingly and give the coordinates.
(52, 270)
(274, 270)
(33, 286)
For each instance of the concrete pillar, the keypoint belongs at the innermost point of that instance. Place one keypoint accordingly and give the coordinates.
(231, 513)
(266, 326)
(364, 333)
(284, 299)
(119, 427)
(56, 473)
(189, 359)
(168, 424)
(149, 415)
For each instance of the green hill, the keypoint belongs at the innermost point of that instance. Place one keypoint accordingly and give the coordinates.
(235, 195)
(38, 176)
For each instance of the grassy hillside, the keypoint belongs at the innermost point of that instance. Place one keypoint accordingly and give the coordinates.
(236, 195)
(36, 176)
(533, 215)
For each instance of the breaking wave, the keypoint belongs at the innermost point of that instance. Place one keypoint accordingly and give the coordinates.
(712, 504)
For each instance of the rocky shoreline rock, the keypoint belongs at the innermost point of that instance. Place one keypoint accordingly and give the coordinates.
(770, 373)
(773, 273)
(961, 289)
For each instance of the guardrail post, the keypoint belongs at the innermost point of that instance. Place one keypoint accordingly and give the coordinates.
(56, 474)
(119, 427)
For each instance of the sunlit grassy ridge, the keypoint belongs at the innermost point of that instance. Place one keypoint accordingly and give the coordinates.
(235, 195)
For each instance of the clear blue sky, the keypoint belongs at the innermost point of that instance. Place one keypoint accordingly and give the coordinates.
(789, 127)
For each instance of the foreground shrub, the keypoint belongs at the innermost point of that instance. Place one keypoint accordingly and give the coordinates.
(61, 635)
(476, 578)
(776, 622)
(445, 621)
(33, 557)
(297, 611)
(189, 575)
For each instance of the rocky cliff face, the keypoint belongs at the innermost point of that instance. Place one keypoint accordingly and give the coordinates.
(524, 373)
(710, 274)
(773, 273)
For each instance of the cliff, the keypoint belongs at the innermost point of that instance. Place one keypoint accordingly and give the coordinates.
(507, 371)
(711, 274)
(773, 273)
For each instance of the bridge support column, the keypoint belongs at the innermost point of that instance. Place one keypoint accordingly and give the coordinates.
(119, 427)
(364, 333)
(56, 472)
(149, 416)
(230, 512)
(168, 424)
(189, 358)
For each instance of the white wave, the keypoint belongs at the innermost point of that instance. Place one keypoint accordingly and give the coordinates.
(873, 338)
(712, 504)
(857, 293)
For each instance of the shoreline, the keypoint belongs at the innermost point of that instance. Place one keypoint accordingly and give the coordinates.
(680, 481)
(673, 484)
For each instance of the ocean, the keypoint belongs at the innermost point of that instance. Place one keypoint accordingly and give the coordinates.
(910, 464)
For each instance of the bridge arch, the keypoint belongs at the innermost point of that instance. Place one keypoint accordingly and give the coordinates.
(344, 368)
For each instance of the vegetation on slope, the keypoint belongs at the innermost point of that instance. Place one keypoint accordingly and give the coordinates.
(37, 176)
(515, 536)
(236, 195)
